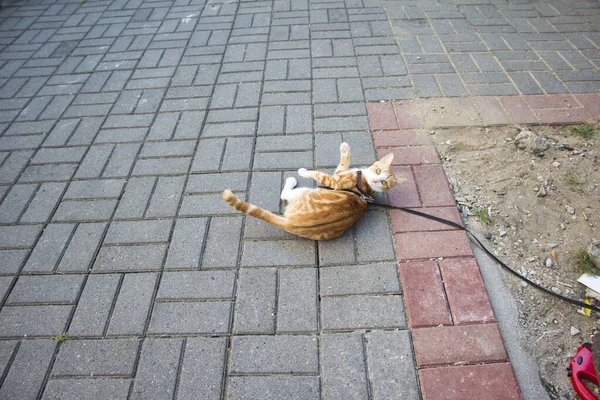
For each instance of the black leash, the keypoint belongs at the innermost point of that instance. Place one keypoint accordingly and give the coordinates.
(489, 253)
(370, 200)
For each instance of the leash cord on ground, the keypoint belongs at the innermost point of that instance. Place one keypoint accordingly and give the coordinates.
(489, 253)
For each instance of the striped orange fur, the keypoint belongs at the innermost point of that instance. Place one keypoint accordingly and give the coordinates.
(322, 214)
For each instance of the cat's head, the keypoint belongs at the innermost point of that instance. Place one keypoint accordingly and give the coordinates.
(380, 176)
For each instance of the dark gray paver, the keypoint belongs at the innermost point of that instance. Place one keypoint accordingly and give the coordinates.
(48, 320)
(87, 389)
(132, 305)
(391, 365)
(255, 301)
(360, 279)
(273, 387)
(362, 312)
(190, 318)
(297, 300)
(203, 368)
(97, 357)
(262, 354)
(46, 289)
(343, 366)
(26, 375)
(196, 285)
(157, 369)
(94, 306)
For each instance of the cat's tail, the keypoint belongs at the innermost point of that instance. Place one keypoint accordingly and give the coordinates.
(254, 211)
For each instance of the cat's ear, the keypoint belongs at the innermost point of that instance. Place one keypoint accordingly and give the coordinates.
(387, 160)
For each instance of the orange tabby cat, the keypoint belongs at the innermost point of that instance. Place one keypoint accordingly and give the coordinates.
(322, 214)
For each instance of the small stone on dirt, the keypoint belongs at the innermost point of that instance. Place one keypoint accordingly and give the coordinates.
(570, 210)
(574, 331)
(551, 245)
(556, 164)
(527, 140)
(542, 192)
(549, 262)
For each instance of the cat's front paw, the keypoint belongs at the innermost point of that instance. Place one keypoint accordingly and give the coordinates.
(344, 148)
(303, 172)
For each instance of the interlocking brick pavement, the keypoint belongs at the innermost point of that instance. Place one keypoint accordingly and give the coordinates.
(121, 121)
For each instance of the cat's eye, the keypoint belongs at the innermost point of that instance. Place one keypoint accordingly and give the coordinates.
(384, 183)
(378, 171)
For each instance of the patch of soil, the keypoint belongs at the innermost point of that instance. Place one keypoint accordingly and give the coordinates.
(538, 204)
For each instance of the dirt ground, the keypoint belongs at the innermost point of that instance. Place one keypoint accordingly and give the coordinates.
(538, 204)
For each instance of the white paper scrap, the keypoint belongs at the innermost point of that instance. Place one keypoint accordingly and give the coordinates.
(591, 281)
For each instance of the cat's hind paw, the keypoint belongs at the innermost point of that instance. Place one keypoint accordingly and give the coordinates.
(344, 148)
(303, 172)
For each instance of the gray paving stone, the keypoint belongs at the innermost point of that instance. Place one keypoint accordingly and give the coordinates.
(256, 301)
(5, 286)
(222, 242)
(273, 387)
(202, 369)
(123, 232)
(284, 143)
(133, 304)
(278, 253)
(282, 160)
(7, 349)
(257, 229)
(391, 364)
(337, 251)
(44, 202)
(95, 189)
(426, 86)
(360, 279)
(196, 285)
(147, 257)
(49, 248)
(343, 369)
(157, 369)
(25, 379)
(206, 204)
(94, 306)
(166, 197)
(88, 210)
(14, 164)
(265, 189)
(297, 301)
(48, 172)
(208, 155)
(207, 183)
(162, 166)
(34, 320)
(373, 240)
(87, 389)
(262, 354)
(15, 202)
(96, 357)
(135, 198)
(238, 154)
(46, 289)
(191, 318)
(229, 129)
(82, 247)
(362, 312)
(188, 234)
(11, 260)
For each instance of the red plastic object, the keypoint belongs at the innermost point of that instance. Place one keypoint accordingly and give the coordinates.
(582, 367)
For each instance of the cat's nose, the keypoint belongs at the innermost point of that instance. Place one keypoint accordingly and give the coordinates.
(374, 180)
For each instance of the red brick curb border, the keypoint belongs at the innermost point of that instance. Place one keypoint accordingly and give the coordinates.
(458, 347)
